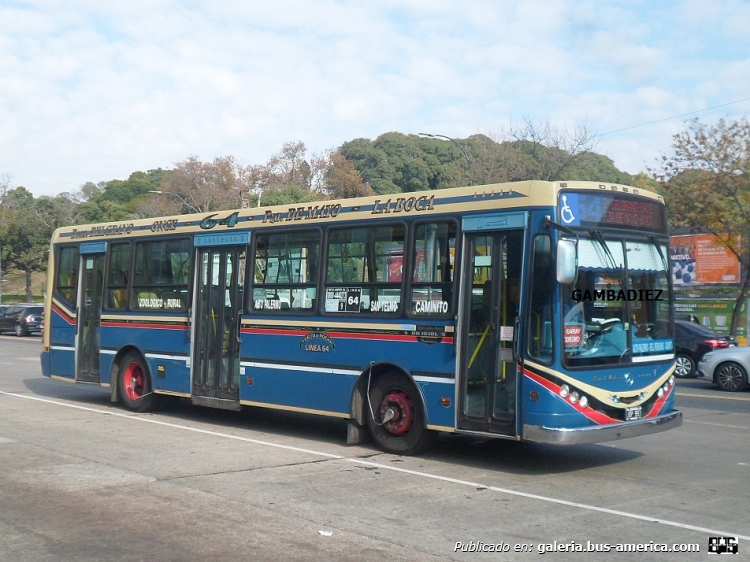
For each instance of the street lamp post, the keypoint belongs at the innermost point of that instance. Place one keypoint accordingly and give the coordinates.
(460, 146)
(180, 197)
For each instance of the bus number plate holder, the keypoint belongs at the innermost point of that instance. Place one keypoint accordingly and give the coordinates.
(633, 413)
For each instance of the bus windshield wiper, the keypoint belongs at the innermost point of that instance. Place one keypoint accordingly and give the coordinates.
(655, 242)
(619, 270)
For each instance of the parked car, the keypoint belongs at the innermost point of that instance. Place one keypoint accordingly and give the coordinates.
(728, 367)
(692, 342)
(23, 319)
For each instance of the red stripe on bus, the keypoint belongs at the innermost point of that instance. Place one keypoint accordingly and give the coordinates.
(659, 404)
(342, 335)
(590, 413)
(64, 315)
(155, 326)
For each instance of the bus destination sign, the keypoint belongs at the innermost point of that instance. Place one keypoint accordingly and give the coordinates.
(600, 210)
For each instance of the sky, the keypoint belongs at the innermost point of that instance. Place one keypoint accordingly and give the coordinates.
(92, 91)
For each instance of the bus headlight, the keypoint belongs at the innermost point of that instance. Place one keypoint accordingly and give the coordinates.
(574, 397)
(564, 390)
(584, 402)
(660, 392)
(671, 380)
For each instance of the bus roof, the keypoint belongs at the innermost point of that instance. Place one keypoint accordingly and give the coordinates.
(524, 194)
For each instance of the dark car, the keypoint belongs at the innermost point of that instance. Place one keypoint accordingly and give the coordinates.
(692, 342)
(23, 319)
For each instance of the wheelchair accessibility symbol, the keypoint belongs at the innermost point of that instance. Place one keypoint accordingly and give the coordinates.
(566, 213)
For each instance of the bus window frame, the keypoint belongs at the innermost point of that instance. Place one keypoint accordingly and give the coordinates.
(128, 285)
(406, 226)
(250, 284)
(58, 263)
(191, 269)
(455, 269)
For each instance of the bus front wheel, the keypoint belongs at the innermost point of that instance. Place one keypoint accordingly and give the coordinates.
(135, 384)
(398, 425)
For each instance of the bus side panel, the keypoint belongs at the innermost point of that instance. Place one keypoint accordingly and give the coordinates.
(434, 392)
(353, 349)
(62, 329)
(172, 375)
(324, 392)
(288, 383)
(166, 349)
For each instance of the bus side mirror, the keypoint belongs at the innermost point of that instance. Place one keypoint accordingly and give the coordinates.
(567, 262)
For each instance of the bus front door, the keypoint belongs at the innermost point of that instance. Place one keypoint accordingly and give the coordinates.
(489, 371)
(216, 326)
(89, 316)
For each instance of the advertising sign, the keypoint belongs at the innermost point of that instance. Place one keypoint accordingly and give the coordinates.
(715, 314)
(700, 259)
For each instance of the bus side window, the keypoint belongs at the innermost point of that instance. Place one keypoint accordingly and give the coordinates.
(432, 257)
(364, 273)
(66, 281)
(284, 278)
(161, 279)
(540, 342)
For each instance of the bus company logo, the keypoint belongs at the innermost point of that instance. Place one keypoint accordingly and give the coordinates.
(302, 213)
(170, 224)
(105, 230)
(325, 344)
(619, 295)
(720, 545)
(404, 205)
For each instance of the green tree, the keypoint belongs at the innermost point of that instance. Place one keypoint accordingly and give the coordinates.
(28, 225)
(707, 186)
(289, 195)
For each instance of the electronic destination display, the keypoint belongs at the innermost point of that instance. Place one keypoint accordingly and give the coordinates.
(599, 210)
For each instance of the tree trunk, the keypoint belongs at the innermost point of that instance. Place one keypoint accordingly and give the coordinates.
(29, 295)
(739, 304)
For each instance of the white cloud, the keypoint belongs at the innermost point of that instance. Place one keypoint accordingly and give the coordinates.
(93, 91)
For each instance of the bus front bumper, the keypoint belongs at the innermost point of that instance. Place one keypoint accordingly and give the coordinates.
(599, 434)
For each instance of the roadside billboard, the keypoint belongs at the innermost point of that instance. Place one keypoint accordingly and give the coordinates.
(700, 259)
(715, 314)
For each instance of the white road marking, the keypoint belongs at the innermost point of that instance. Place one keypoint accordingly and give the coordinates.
(717, 424)
(391, 468)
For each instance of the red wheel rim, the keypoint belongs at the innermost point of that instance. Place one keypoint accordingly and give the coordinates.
(403, 412)
(134, 381)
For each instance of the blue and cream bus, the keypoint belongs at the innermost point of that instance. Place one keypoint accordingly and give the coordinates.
(536, 311)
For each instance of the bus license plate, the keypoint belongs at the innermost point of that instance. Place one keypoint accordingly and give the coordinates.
(633, 413)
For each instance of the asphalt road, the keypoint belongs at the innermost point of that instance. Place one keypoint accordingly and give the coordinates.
(83, 479)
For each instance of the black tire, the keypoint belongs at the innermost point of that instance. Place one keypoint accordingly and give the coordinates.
(405, 433)
(730, 376)
(20, 332)
(134, 383)
(684, 367)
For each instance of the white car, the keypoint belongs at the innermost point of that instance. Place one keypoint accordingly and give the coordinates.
(727, 367)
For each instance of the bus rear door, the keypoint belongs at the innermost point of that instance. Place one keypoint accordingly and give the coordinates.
(88, 325)
(216, 331)
(489, 369)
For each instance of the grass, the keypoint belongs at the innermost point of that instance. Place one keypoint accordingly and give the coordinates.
(13, 286)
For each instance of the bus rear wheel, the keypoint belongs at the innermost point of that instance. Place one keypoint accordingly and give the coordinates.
(135, 384)
(399, 419)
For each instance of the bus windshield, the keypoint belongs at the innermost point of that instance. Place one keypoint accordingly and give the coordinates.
(618, 309)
